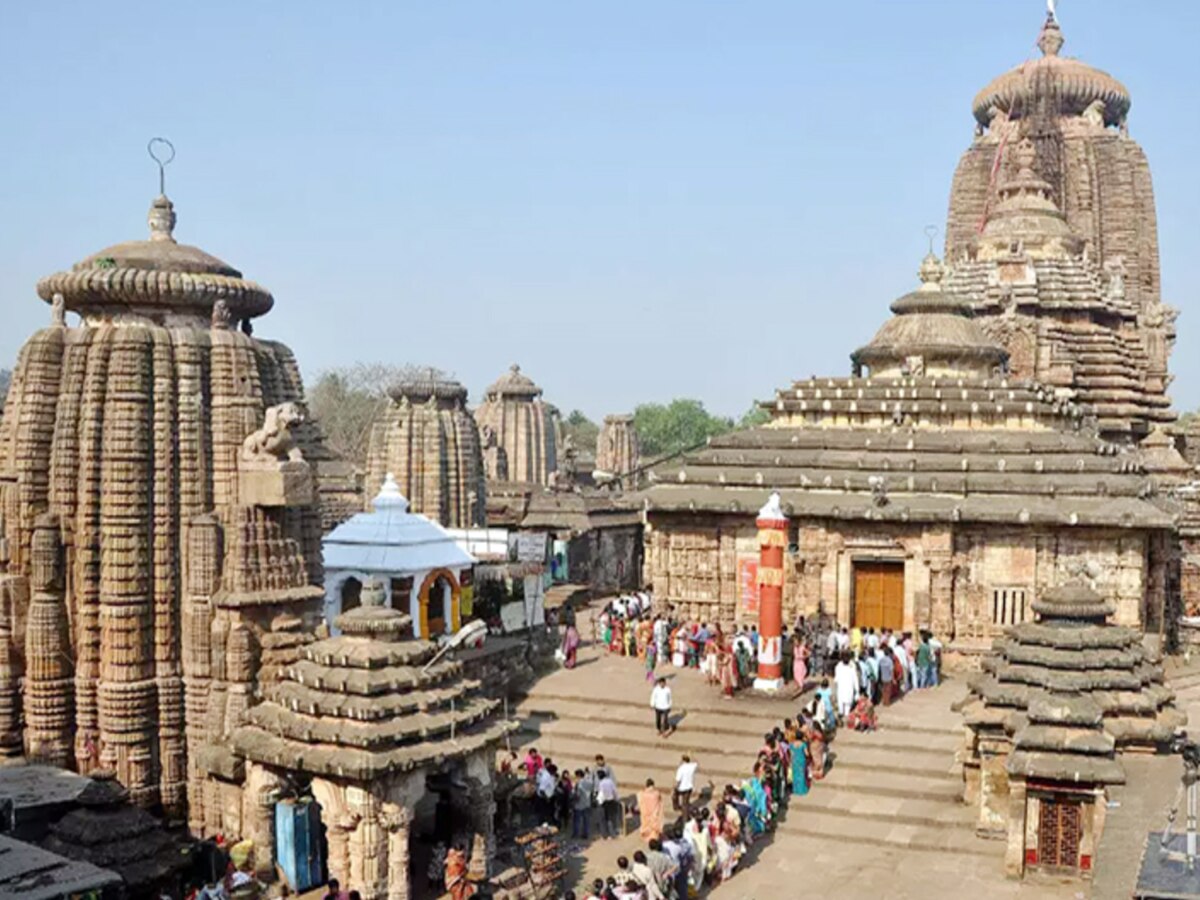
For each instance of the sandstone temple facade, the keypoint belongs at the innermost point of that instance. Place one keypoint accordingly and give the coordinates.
(984, 448)
(160, 552)
(520, 431)
(1052, 235)
(428, 440)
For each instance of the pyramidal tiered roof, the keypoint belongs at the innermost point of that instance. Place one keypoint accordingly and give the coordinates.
(1071, 689)
(366, 704)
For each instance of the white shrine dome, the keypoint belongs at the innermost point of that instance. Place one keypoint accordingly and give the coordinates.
(392, 539)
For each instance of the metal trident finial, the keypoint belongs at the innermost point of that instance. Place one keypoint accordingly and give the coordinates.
(163, 160)
(931, 232)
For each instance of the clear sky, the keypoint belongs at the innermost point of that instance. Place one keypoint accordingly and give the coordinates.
(634, 200)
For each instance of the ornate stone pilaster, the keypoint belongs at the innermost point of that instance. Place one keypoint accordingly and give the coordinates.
(49, 687)
(397, 822)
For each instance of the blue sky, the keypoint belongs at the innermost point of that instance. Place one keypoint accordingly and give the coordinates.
(634, 200)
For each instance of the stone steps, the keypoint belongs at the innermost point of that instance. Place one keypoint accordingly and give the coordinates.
(948, 838)
(736, 719)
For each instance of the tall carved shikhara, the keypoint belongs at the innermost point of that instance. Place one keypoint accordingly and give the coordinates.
(158, 523)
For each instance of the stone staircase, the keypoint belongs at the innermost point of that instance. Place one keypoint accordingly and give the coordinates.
(898, 786)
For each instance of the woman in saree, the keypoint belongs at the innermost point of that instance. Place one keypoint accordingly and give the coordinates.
(703, 853)
(800, 764)
(606, 619)
(711, 655)
(815, 740)
(725, 839)
(651, 660)
(570, 646)
(645, 634)
(727, 669)
(618, 636)
(756, 799)
(800, 656)
(456, 874)
(630, 638)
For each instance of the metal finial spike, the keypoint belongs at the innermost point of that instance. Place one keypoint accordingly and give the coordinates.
(931, 232)
(162, 158)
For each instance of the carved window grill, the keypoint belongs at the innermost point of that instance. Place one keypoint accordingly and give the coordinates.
(1009, 606)
(1060, 830)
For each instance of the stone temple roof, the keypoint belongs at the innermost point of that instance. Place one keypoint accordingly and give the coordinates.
(514, 383)
(933, 325)
(158, 274)
(419, 389)
(1073, 84)
(368, 704)
(901, 474)
(1071, 684)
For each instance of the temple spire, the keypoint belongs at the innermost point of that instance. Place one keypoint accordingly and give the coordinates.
(1051, 39)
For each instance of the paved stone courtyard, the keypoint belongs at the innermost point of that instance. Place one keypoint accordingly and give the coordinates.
(886, 821)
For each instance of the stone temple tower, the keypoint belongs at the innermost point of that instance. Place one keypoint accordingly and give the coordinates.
(157, 519)
(617, 450)
(429, 442)
(519, 430)
(1056, 185)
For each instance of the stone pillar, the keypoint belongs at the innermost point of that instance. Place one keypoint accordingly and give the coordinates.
(1014, 851)
(12, 589)
(396, 822)
(337, 834)
(772, 539)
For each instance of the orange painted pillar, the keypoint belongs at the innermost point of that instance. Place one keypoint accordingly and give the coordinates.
(772, 539)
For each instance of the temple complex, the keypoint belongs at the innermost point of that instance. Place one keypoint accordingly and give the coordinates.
(930, 490)
(1057, 702)
(390, 740)
(1052, 235)
(519, 431)
(980, 453)
(158, 520)
(428, 440)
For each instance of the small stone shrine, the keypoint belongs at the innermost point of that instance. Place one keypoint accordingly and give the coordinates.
(519, 431)
(428, 440)
(374, 726)
(1057, 702)
(160, 536)
(108, 832)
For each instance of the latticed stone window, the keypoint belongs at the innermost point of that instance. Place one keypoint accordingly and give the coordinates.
(1009, 605)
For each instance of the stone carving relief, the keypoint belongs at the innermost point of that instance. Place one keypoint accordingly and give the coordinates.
(274, 442)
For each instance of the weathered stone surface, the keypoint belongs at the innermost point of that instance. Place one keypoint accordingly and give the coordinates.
(519, 431)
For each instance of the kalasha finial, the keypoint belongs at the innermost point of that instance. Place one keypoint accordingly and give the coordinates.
(162, 211)
(1051, 39)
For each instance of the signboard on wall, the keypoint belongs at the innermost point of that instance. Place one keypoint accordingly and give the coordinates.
(531, 547)
(747, 575)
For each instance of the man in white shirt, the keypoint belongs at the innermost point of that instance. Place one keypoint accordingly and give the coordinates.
(685, 783)
(610, 804)
(547, 782)
(846, 684)
(660, 702)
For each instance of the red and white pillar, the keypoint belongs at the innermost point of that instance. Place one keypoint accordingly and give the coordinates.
(772, 539)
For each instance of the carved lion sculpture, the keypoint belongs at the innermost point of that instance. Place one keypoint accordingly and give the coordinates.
(275, 441)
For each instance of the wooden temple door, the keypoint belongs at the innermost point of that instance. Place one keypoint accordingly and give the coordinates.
(1060, 827)
(879, 595)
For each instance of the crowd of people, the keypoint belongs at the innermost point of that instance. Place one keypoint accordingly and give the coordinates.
(887, 663)
(853, 670)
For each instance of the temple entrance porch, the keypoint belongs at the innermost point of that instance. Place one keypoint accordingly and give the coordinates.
(879, 594)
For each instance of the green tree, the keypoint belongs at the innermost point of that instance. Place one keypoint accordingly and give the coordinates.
(346, 401)
(678, 425)
(754, 417)
(582, 431)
